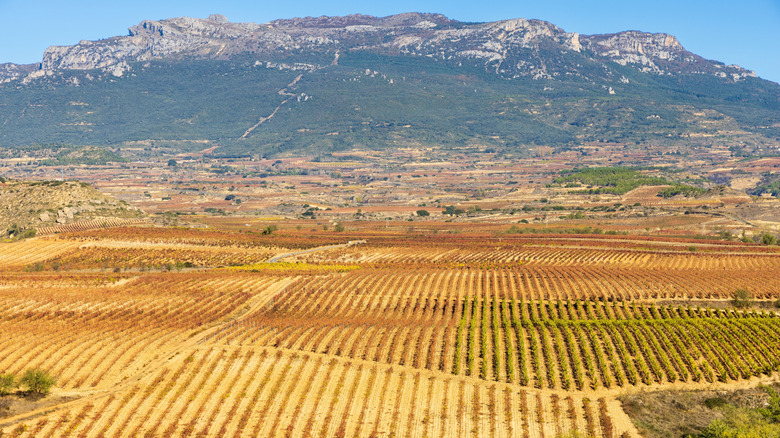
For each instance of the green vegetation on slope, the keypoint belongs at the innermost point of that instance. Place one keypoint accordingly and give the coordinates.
(621, 180)
(375, 101)
(90, 155)
(770, 183)
(614, 180)
(745, 422)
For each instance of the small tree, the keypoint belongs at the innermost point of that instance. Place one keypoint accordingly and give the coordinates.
(269, 229)
(339, 227)
(768, 239)
(37, 380)
(423, 213)
(741, 298)
(13, 230)
(451, 210)
(7, 383)
(172, 163)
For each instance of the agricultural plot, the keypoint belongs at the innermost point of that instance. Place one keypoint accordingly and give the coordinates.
(94, 336)
(483, 323)
(397, 340)
(23, 253)
(91, 224)
(241, 391)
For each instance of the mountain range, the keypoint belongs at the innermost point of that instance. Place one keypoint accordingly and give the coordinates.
(331, 83)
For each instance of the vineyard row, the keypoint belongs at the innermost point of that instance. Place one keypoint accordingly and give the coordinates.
(263, 392)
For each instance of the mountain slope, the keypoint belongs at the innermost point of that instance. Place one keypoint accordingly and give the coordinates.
(331, 83)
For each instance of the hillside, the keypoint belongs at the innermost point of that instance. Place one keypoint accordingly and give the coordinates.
(26, 205)
(332, 83)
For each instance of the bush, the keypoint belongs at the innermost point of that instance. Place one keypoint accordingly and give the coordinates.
(37, 380)
(746, 422)
(451, 210)
(768, 239)
(423, 213)
(715, 402)
(7, 383)
(741, 298)
(772, 409)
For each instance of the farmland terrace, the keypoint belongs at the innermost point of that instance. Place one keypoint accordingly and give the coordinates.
(178, 331)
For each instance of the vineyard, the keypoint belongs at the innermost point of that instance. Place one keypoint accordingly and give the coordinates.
(512, 338)
(90, 224)
(483, 324)
(234, 391)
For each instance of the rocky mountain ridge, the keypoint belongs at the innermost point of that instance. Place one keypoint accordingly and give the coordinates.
(333, 83)
(511, 48)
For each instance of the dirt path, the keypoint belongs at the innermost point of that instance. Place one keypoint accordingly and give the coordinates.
(319, 248)
(282, 92)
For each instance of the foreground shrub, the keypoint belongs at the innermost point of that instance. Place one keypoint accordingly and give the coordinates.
(37, 380)
(7, 383)
(741, 298)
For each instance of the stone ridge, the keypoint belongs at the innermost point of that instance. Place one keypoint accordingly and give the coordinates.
(510, 48)
(10, 71)
(408, 19)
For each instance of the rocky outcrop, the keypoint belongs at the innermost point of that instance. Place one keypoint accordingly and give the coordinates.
(658, 53)
(511, 48)
(45, 203)
(10, 71)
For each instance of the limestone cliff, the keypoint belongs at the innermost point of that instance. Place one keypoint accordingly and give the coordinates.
(511, 48)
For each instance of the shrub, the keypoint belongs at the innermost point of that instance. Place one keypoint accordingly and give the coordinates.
(772, 409)
(7, 383)
(714, 402)
(741, 298)
(423, 213)
(451, 210)
(37, 380)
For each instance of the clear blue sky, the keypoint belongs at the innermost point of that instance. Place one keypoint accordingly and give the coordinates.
(745, 32)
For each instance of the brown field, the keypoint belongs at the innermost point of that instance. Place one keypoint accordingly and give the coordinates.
(435, 330)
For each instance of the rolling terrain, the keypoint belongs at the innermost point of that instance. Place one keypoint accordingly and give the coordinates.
(532, 335)
(402, 226)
